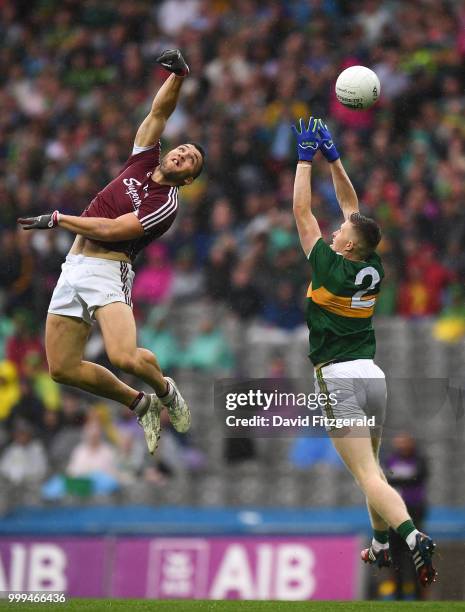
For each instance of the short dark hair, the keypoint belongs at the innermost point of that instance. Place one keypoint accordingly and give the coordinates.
(368, 231)
(201, 150)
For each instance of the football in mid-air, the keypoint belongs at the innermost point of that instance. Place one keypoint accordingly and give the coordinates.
(357, 87)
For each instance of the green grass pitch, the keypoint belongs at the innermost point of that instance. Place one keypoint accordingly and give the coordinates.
(110, 605)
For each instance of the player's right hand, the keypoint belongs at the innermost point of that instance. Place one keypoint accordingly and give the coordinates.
(327, 146)
(172, 60)
(308, 139)
(40, 222)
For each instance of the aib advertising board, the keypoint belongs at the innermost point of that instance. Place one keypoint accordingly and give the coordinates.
(282, 568)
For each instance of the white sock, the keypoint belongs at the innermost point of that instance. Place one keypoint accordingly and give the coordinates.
(377, 546)
(168, 398)
(411, 539)
(141, 404)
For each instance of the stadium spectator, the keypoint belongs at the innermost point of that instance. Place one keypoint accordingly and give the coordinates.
(407, 471)
(10, 391)
(187, 238)
(209, 350)
(373, 19)
(422, 294)
(283, 311)
(158, 338)
(130, 458)
(218, 270)
(24, 341)
(6, 330)
(73, 416)
(16, 278)
(414, 300)
(244, 298)
(24, 460)
(153, 283)
(95, 459)
(450, 325)
(46, 389)
(52, 424)
(29, 407)
(188, 281)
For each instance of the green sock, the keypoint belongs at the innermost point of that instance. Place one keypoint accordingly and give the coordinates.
(405, 529)
(381, 536)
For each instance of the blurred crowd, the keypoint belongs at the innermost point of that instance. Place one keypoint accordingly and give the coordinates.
(77, 78)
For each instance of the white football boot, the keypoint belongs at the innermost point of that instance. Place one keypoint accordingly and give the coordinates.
(149, 419)
(178, 410)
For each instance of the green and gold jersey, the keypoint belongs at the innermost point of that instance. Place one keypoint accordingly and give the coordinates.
(341, 301)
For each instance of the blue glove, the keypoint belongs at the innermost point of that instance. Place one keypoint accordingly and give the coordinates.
(327, 146)
(308, 139)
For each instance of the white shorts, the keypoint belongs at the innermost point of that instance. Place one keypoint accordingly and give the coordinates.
(358, 390)
(87, 283)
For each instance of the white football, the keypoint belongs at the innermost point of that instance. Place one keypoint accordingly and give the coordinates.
(358, 87)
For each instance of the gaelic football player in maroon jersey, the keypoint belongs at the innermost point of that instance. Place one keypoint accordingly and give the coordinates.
(138, 206)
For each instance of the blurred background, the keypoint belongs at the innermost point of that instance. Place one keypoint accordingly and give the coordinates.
(223, 293)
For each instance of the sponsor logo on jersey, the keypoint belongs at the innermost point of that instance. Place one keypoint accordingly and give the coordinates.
(132, 184)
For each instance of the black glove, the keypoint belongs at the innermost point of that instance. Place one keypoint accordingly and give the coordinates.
(172, 60)
(40, 222)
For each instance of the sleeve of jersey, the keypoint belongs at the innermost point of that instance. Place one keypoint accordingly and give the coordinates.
(322, 256)
(146, 155)
(151, 216)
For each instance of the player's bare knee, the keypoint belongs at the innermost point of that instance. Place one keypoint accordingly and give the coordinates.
(366, 479)
(124, 361)
(61, 374)
(144, 355)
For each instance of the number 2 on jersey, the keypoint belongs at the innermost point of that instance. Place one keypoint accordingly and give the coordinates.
(357, 301)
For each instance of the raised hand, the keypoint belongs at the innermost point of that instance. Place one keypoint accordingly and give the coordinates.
(327, 146)
(308, 139)
(172, 60)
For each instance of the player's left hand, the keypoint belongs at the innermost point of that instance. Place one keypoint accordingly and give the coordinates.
(308, 139)
(172, 60)
(327, 146)
(40, 222)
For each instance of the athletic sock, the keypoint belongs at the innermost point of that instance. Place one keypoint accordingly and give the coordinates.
(408, 532)
(140, 403)
(167, 397)
(380, 540)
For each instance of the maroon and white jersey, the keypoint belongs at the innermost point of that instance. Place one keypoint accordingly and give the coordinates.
(133, 190)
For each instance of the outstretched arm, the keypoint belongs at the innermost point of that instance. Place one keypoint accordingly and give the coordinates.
(125, 227)
(307, 145)
(345, 192)
(307, 225)
(165, 101)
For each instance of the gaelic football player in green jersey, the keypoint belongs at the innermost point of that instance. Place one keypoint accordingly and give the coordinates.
(346, 278)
